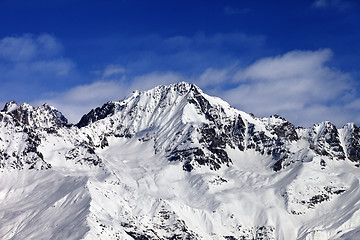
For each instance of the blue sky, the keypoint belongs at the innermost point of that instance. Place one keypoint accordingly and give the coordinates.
(299, 59)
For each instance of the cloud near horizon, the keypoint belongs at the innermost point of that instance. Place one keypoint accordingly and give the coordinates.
(297, 85)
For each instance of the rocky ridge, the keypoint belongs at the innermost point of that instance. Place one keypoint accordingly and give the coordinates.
(184, 126)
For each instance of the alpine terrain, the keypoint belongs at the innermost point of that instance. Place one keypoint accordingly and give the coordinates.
(175, 163)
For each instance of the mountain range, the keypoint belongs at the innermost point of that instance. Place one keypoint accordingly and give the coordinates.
(175, 163)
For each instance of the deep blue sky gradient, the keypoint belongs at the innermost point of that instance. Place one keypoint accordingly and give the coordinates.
(97, 32)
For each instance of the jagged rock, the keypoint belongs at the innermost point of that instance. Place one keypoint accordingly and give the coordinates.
(98, 113)
(282, 128)
(353, 145)
(326, 141)
(84, 154)
(44, 116)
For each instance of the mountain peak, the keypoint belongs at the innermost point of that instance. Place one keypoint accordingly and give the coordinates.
(13, 106)
(44, 116)
(180, 87)
(156, 97)
(171, 163)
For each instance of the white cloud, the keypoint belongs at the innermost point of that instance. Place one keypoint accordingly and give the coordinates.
(151, 80)
(339, 4)
(48, 45)
(17, 49)
(90, 93)
(28, 47)
(29, 64)
(113, 69)
(293, 84)
(81, 99)
(2, 105)
(320, 3)
(316, 113)
(213, 77)
(354, 105)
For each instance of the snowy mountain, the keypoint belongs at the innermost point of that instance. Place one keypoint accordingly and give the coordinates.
(175, 163)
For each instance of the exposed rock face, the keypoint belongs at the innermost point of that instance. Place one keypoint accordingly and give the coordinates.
(282, 128)
(44, 116)
(97, 114)
(353, 144)
(326, 141)
(21, 139)
(83, 154)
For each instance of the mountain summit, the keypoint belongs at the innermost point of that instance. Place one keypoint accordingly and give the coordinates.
(175, 163)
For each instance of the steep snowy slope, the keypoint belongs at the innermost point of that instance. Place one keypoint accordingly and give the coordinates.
(21, 130)
(175, 163)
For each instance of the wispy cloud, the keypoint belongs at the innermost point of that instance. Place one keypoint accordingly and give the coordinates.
(113, 69)
(321, 3)
(28, 47)
(339, 4)
(216, 77)
(29, 62)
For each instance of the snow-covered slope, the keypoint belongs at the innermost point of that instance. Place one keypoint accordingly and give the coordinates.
(175, 163)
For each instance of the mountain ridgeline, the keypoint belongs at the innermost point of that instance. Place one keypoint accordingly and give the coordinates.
(201, 128)
(175, 163)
